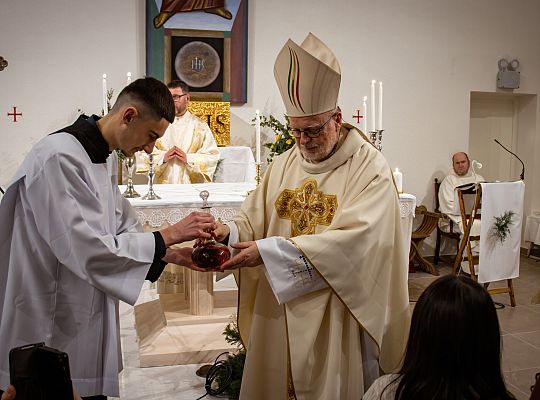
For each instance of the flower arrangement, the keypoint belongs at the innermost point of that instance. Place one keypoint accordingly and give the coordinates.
(284, 139)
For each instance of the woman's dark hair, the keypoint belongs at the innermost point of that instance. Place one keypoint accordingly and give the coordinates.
(454, 346)
(152, 97)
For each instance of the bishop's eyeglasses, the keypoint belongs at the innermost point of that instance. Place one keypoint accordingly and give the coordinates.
(311, 132)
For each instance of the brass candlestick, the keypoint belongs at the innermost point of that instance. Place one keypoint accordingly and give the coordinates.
(258, 173)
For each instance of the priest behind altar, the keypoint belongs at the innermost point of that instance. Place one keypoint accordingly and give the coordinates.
(71, 246)
(188, 152)
(323, 298)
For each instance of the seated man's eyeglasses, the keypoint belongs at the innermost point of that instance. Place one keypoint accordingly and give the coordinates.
(311, 132)
(177, 97)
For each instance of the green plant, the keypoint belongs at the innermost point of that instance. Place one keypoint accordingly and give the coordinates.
(283, 139)
(235, 362)
(501, 226)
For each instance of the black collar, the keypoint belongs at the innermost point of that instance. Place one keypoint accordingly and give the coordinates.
(88, 134)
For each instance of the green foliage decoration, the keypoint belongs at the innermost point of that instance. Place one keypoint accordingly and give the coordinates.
(235, 362)
(283, 139)
(500, 229)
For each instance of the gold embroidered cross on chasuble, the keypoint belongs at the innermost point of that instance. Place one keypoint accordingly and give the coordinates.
(306, 207)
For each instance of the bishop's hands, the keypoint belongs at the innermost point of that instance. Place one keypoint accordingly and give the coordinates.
(175, 153)
(248, 256)
(197, 225)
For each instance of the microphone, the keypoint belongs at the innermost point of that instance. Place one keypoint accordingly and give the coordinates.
(522, 176)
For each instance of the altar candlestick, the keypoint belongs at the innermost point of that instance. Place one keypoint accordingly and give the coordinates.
(380, 106)
(105, 108)
(372, 111)
(398, 178)
(128, 80)
(364, 112)
(257, 137)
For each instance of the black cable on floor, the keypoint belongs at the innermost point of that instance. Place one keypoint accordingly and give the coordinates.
(212, 374)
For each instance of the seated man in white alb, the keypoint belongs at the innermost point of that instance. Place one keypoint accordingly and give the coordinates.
(460, 174)
(187, 152)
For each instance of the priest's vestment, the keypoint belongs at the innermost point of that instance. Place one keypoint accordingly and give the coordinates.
(71, 247)
(195, 138)
(343, 216)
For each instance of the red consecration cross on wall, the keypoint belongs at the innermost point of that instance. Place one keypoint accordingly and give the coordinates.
(358, 116)
(14, 114)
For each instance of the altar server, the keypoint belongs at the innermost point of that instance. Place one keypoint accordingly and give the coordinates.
(71, 246)
(323, 301)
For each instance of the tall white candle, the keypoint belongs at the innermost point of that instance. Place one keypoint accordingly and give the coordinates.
(372, 111)
(398, 178)
(257, 137)
(380, 106)
(128, 80)
(364, 113)
(104, 89)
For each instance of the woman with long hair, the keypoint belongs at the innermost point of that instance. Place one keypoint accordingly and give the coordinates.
(454, 347)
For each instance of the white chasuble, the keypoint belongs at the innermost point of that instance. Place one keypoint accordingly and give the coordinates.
(342, 215)
(195, 138)
(78, 251)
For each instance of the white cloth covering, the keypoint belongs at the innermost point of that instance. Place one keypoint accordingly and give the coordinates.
(71, 248)
(500, 260)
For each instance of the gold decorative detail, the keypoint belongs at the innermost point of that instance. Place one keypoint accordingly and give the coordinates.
(306, 207)
(217, 114)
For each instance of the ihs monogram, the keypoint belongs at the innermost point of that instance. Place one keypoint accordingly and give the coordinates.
(306, 207)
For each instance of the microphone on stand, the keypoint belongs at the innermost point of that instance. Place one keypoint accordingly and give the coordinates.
(522, 176)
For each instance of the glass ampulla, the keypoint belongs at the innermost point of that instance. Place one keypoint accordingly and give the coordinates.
(209, 254)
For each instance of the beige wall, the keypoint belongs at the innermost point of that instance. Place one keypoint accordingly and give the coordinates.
(429, 54)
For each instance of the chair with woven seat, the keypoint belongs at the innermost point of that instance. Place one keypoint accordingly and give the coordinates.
(452, 233)
(424, 230)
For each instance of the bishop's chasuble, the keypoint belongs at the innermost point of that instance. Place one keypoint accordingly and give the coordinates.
(195, 138)
(343, 216)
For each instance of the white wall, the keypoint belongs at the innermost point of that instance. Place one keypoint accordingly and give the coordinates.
(430, 54)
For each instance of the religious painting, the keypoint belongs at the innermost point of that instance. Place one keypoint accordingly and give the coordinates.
(203, 43)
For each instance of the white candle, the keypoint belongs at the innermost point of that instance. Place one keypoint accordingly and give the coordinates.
(105, 110)
(257, 137)
(398, 178)
(372, 111)
(128, 80)
(364, 113)
(380, 106)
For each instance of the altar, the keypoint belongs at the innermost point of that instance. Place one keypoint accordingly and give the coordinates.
(181, 319)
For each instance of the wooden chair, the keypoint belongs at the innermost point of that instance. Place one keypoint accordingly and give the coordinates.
(470, 206)
(451, 234)
(428, 224)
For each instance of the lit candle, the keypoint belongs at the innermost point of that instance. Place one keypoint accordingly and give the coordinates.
(128, 80)
(398, 178)
(380, 106)
(364, 113)
(257, 137)
(372, 111)
(105, 110)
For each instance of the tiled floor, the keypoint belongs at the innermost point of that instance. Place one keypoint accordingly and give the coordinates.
(520, 329)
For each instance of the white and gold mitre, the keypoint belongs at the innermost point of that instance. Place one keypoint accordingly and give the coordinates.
(308, 77)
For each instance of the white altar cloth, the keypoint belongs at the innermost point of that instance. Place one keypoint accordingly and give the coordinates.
(177, 201)
(236, 164)
(407, 205)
